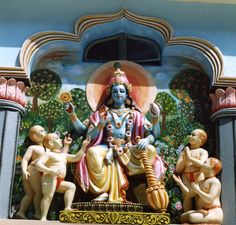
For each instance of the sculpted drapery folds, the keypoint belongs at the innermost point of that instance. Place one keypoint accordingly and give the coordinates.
(114, 152)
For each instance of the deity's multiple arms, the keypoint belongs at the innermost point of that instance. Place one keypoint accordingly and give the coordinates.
(79, 127)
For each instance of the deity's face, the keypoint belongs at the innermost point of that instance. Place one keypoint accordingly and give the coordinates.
(119, 93)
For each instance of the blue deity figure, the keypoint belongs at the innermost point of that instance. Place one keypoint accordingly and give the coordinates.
(119, 132)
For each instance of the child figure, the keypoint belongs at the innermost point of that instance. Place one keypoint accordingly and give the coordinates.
(189, 164)
(31, 176)
(53, 166)
(208, 207)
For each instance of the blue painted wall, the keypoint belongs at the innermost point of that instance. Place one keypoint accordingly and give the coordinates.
(214, 22)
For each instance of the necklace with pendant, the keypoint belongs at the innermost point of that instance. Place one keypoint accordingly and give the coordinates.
(120, 112)
(118, 124)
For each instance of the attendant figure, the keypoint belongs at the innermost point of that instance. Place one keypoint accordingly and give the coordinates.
(31, 176)
(189, 164)
(208, 206)
(53, 165)
(114, 151)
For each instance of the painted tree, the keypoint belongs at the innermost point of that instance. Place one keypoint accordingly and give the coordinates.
(80, 102)
(51, 111)
(178, 129)
(45, 84)
(191, 87)
(168, 105)
(186, 110)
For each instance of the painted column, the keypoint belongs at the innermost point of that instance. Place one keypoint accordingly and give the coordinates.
(12, 100)
(224, 118)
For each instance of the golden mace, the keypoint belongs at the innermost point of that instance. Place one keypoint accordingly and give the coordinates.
(156, 194)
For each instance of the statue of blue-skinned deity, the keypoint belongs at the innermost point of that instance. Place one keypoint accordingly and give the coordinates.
(119, 132)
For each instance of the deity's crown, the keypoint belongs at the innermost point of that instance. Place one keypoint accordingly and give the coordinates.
(119, 77)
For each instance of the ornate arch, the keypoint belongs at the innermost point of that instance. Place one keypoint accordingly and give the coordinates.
(203, 47)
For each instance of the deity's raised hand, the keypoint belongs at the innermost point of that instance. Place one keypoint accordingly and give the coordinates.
(86, 142)
(103, 113)
(70, 108)
(155, 109)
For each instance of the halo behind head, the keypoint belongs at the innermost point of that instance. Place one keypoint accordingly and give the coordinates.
(143, 85)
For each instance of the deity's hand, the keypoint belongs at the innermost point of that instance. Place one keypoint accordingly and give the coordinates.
(103, 113)
(86, 142)
(155, 109)
(70, 108)
(67, 140)
(143, 144)
(109, 157)
(26, 175)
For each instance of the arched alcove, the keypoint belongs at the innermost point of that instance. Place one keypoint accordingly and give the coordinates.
(186, 63)
(91, 28)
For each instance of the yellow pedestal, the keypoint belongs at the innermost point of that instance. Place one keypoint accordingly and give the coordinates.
(101, 217)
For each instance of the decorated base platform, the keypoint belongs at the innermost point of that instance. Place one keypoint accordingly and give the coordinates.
(112, 213)
(38, 222)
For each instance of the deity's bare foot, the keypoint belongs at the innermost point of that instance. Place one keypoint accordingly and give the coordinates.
(20, 215)
(101, 198)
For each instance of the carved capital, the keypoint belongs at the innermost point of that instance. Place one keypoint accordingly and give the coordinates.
(13, 90)
(223, 99)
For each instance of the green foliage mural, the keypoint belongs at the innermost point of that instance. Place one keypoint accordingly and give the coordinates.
(50, 112)
(45, 84)
(168, 104)
(79, 101)
(183, 110)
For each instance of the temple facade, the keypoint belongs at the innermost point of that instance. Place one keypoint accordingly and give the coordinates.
(186, 47)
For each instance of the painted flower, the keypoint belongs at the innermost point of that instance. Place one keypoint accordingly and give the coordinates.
(178, 205)
(66, 97)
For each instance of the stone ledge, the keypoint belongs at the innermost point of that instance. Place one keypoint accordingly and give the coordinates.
(37, 222)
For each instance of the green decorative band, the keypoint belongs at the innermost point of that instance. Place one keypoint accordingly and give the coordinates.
(92, 217)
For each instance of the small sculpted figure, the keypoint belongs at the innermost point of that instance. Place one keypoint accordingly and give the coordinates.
(208, 207)
(114, 151)
(31, 176)
(53, 165)
(189, 164)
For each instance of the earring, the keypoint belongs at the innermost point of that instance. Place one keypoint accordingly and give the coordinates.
(110, 101)
(128, 102)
